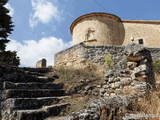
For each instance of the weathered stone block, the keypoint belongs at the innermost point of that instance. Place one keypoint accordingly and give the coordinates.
(41, 63)
(131, 65)
(16, 93)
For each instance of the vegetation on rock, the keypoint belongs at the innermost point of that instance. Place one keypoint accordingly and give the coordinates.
(156, 65)
(108, 61)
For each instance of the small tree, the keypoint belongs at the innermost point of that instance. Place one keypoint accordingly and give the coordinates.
(3, 2)
(6, 26)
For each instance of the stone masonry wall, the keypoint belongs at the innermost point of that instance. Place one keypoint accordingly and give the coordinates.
(73, 56)
(125, 84)
(148, 32)
(98, 31)
(134, 76)
(41, 63)
(81, 55)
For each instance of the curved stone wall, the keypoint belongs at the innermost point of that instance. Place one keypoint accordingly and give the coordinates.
(97, 29)
(108, 29)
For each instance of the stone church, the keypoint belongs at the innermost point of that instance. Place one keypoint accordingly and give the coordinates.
(97, 35)
(108, 29)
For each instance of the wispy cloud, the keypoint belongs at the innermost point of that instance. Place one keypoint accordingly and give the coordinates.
(31, 51)
(11, 10)
(44, 12)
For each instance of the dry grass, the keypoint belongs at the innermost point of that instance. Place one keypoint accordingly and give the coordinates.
(157, 77)
(88, 72)
(70, 78)
(78, 102)
(149, 105)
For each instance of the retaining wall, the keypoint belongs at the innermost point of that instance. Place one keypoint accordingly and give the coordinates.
(81, 55)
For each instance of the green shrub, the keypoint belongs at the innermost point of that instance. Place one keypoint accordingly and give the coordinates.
(156, 65)
(108, 61)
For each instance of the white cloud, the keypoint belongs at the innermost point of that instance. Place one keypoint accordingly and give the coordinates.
(44, 11)
(11, 10)
(32, 51)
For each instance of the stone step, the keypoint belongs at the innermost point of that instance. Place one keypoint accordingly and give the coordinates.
(53, 75)
(23, 93)
(38, 70)
(34, 73)
(41, 114)
(10, 85)
(26, 78)
(57, 118)
(29, 103)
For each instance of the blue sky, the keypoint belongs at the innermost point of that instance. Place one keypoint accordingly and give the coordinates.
(42, 26)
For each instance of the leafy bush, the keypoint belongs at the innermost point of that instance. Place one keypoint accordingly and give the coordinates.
(156, 65)
(108, 61)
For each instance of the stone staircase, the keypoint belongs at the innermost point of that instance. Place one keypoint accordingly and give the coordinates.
(29, 95)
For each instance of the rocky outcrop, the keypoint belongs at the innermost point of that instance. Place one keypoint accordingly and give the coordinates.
(129, 79)
(132, 75)
(108, 108)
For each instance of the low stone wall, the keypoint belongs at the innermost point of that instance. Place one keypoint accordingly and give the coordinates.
(73, 56)
(155, 53)
(81, 55)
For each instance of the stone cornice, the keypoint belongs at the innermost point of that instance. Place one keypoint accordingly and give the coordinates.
(93, 15)
(142, 21)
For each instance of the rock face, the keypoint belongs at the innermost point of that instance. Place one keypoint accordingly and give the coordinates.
(27, 95)
(131, 77)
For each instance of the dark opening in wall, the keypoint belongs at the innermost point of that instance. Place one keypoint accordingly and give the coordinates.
(140, 41)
